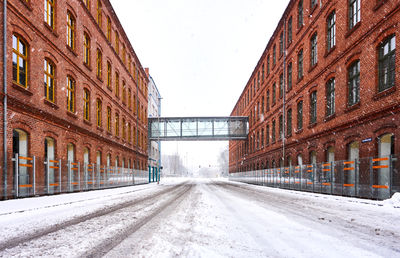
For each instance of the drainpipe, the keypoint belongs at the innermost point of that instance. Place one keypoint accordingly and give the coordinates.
(284, 94)
(159, 144)
(5, 98)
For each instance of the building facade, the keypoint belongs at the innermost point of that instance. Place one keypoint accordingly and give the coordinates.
(154, 107)
(325, 87)
(76, 90)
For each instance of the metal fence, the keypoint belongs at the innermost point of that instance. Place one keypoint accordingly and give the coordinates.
(372, 178)
(33, 176)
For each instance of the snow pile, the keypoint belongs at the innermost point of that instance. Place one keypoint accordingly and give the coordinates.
(394, 201)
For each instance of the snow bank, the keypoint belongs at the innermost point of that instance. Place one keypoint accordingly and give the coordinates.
(394, 201)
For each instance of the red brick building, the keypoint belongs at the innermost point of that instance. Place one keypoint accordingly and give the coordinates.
(325, 87)
(76, 89)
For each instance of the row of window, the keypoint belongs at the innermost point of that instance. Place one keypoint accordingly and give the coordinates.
(385, 147)
(49, 15)
(20, 147)
(386, 76)
(354, 17)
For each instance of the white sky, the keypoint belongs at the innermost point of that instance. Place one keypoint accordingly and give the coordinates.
(201, 54)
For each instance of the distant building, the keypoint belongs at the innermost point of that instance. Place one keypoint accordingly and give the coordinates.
(154, 108)
(76, 92)
(326, 87)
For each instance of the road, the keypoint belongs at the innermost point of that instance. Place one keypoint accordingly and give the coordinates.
(203, 218)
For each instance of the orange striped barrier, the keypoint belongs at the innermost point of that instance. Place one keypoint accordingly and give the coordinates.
(309, 166)
(326, 169)
(90, 165)
(102, 183)
(90, 169)
(326, 183)
(90, 183)
(54, 184)
(380, 159)
(53, 167)
(309, 183)
(25, 165)
(310, 170)
(297, 167)
(297, 171)
(74, 183)
(74, 168)
(348, 162)
(348, 185)
(380, 186)
(297, 182)
(352, 168)
(74, 163)
(383, 166)
(286, 182)
(326, 165)
(25, 158)
(25, 186)
(54, 161)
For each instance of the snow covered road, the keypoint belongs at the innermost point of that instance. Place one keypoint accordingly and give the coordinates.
(199, 218)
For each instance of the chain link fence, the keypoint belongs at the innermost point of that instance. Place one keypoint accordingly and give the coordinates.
(372, 178)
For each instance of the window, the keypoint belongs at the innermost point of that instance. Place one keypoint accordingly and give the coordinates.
(98, 159)
(330, 97)
(134, 136)
(71, 152)
(263, 73)
(313, 107)
(87, 3)
(98, 112)
(99, 14)
(267, 135)
(354, 12)
(281, 44)
(109, 119)
(108, 28)
(49, 12)
(300, 14)
(387, 63)
(289, 76)
(313, 47)
(280, 127)
(116, 42)
(129, 98)
(70, 94)
(281, 85)
(116, 84)
(331, 31)
(313, 157)
(86, 104)
(117, 124)
(123, 92)
(330, 154)
(262, 138)
(258, 80)
(86, 49)
(274, 56)
(290, 35)
(262, 105)
(130, 64)
(70, 31)
(273, 93)
(129, 133)
(300, 65)
(289, 122)
(354, 83)
(313, 3)
(268, 66)
(123, 129)
(20, 62)
(99, 63)
(273, 131)
(109, 75)
(267, 100)
(49, 80)
(124, 54)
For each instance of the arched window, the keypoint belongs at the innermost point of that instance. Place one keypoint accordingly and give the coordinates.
(20, 61)
(108, 28)
(123, 162)
(108, 119)
(385, 149)
(99, 62)
(70, 30)
(117, 161)
(49, 77)
(116, 124)
(116, 84)
(49, 12)
(313, 157)
(71, 152)
(330, 154)
(86, 155)
(20, 147)
(86, 104)
(49, 155)
(108, 160)
(70, 94)
(98, 112)
(129, 98)
(98, 158)
(109, 74)
(123, 92)
(86, 49)
(129, 133)
(99, 13)
(353, 151)
(123, 129)
(299, 160)
(87, 3)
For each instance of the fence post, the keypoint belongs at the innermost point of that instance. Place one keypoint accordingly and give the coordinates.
(59, 175)
(69, 175)
(390, 175)
(332, 167)
(357, 175)
(34, 175)
(47, 162)
(16, 175)
(79, 176)
(313, 173)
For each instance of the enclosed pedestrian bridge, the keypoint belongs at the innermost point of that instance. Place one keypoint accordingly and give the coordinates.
(198, 128)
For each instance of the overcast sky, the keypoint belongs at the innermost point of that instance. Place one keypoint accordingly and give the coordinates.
(201, 54)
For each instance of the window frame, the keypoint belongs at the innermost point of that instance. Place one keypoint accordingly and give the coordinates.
(86, 104)
(388, 60)
(331, 31)
(71, 30)
(16, 52)
(49, 80)
(313, 107)
(71, 94)
(330, 97)
(353, 76)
